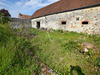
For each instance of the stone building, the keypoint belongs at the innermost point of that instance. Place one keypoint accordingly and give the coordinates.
(69, 15)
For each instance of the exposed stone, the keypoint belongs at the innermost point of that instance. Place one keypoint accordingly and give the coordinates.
(88, 45)
(85, 50)
(61, 58)
(87, 56)
(42, 28)
(18, 23)
(45, 70)
(96, 70)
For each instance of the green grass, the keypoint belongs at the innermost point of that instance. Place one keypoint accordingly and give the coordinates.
(15, 58)
(60, 49)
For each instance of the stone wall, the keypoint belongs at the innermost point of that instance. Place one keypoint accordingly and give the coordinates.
(73, 20)
(17, 23)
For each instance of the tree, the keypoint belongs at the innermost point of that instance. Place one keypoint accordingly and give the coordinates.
(3, 19)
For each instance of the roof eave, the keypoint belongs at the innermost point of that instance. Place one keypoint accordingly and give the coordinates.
(94, 5)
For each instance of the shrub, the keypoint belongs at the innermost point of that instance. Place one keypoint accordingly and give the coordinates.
(4, 19)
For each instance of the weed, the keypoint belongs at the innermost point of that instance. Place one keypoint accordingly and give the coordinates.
(70, 45)
(97, 62)
(76, 70)
(90, 52)
(60, 31)
(73, 32)
(33, 30)
(65, 45)
(3, 19)
(15, 56)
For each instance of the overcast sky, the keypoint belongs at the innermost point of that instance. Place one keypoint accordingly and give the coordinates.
(27, 7)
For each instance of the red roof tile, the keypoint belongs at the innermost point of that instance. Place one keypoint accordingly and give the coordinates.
(24, 16)
(63, 5)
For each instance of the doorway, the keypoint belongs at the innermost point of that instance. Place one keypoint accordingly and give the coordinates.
(38, 25)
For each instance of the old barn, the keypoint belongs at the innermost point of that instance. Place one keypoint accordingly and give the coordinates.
(69, 15)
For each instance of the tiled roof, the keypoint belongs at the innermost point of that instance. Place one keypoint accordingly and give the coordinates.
(64, 5)
(24, 16)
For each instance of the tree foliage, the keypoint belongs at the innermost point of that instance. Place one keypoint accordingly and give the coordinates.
(3, 19)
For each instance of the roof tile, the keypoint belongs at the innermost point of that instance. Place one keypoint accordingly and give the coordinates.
(63, 5)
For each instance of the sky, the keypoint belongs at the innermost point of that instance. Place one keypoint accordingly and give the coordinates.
(27, 7)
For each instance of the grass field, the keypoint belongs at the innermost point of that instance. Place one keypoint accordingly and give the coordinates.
(61, 51)
(57, 49)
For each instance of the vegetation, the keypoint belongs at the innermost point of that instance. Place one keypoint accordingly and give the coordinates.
(60, 50)
(16, 54)
(4, 19)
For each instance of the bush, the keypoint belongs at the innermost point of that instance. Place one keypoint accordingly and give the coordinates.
(4, 19)
(5, 33)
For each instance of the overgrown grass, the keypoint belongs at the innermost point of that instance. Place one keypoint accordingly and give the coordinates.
(59, 50)
(16, 54)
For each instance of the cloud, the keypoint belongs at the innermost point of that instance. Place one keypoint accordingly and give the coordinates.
(39, 3)
(1, 3)
(53, 0)
(18, 3)
(31, 2)
(24, 6)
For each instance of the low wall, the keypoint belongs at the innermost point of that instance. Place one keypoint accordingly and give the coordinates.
(17, 23)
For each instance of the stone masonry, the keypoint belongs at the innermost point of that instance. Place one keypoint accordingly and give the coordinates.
(84, 20)
(17, 23)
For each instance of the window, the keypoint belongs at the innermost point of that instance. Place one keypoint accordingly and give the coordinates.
(85, 22)
(63, 22)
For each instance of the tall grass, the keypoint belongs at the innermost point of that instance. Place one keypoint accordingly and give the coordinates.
(15, 57)
(59, 50)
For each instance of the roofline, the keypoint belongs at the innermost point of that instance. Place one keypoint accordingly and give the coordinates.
(18, 18)
(95, 5)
